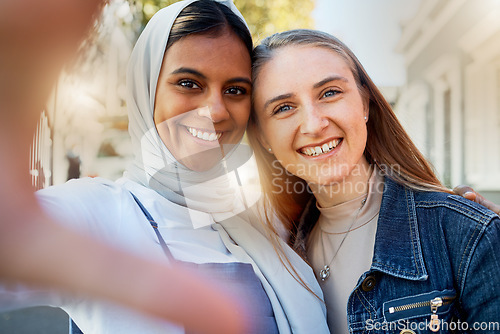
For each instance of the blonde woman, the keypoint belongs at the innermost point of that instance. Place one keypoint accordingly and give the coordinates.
(391, 247)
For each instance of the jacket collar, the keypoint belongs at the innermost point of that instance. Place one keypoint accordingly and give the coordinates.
(397, 244)
(397, 249)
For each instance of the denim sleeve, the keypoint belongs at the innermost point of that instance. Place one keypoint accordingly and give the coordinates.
(480, 290)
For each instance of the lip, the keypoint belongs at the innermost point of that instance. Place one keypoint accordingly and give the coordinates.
(336, 142)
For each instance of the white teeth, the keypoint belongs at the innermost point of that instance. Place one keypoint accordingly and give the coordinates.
(208, 136)
(318, 150)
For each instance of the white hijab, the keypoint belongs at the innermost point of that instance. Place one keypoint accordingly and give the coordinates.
(216, 191)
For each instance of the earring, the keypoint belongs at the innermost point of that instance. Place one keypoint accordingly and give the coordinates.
(365, 118)
(270, 150)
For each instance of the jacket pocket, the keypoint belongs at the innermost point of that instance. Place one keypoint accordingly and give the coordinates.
(429, 307)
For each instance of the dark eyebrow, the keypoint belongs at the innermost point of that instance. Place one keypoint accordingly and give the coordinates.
(329, 79)
(240, 79)
(181, 70)
(277, 98)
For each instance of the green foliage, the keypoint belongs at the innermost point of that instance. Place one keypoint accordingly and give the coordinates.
(150, 7)
(264, 17)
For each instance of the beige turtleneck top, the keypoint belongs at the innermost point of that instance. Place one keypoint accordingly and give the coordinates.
(356, 251)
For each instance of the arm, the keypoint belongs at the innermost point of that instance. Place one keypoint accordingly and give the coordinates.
(37, 37)
(480, 290)
(471, 194)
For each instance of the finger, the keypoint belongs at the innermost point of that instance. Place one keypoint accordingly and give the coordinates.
(489, 205)
(462, 189)
(466, 192)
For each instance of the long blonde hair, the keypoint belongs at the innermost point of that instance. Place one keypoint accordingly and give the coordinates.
(388, 145)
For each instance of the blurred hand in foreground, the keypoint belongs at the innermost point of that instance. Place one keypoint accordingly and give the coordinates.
(37, 38)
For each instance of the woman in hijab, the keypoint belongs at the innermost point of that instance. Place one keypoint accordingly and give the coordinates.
(189, 85)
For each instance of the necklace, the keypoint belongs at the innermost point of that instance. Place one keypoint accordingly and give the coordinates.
(325, 272)
(352, 229)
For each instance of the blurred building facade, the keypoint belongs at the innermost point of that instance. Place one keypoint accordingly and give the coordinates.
(451, 101)
(87, 110)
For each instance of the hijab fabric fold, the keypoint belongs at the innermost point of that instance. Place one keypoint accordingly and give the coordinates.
(217, 191)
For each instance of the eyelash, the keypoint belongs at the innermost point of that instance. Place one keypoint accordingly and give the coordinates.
(242, 91)
(332, 90)
(184, 84)
(189, 84)
(280, 109)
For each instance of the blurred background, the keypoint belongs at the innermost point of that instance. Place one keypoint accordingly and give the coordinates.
(436, 61)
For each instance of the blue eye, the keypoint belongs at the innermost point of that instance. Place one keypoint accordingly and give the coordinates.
(189, 84)
(282, 108)
(331, 93)
(236, 91)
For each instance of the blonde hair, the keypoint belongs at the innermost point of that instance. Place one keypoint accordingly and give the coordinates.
(388, 145)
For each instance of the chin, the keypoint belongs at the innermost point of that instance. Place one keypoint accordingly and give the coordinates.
(202, 161)
(328, 176)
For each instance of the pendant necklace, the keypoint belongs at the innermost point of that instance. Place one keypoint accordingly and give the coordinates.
(325, 272)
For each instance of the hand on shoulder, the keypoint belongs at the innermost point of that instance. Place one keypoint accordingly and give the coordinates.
(471, 194)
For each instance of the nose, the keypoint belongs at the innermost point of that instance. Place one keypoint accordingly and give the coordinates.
(215, 108)
(313, 122)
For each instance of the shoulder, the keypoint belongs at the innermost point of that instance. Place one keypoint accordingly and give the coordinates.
(434, 207)
(86, 191)
(91, 200)
(89, 187)
(454, 207)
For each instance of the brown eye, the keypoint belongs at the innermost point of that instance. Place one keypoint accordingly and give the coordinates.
(236, 91)
(189, 84)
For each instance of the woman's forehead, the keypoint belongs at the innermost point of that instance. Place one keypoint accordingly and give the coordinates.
(296, 62)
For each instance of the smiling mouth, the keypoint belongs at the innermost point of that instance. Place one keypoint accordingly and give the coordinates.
(204, 135)
(314, 151)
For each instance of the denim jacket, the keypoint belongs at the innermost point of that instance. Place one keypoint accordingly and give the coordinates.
(436, 265)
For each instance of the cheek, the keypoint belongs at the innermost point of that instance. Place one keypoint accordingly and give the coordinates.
(163, 112)
(362, 132)
(357, 141)
(240, 115)
(278, 137)
(266, 131)
(168, 106)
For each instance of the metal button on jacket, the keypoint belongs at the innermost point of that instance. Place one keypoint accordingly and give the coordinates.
(368, 283)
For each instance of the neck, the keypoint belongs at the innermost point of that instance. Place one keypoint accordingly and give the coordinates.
(352, 186)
